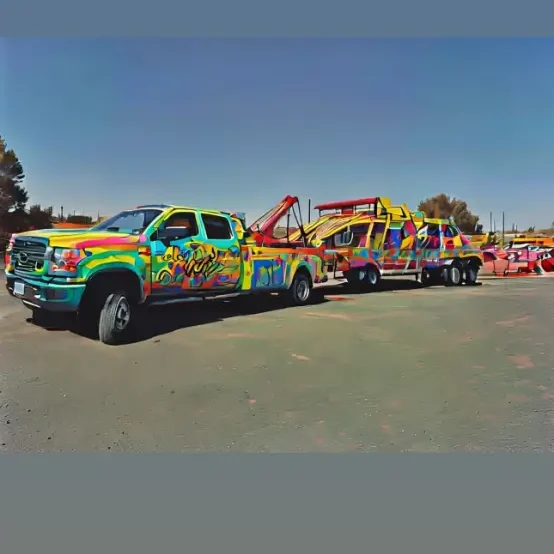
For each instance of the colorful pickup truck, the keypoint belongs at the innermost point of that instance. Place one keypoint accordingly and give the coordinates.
(369, 238)
(153, 254)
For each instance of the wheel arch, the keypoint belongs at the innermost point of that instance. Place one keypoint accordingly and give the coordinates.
(121, 276)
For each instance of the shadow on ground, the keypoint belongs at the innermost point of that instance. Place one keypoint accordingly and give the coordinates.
(157, 321)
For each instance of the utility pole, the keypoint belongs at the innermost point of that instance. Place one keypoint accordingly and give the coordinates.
(490, 226)
(503, 229)
(309, 210)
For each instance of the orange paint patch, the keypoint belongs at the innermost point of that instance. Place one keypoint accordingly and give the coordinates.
(300, 357)
(522, 361)
(339, 298)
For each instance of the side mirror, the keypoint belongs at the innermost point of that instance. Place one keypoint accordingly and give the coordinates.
(171, 233)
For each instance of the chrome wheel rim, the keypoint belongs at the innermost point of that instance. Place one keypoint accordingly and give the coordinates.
(122, 314)
(372, 277)
(455, 275)
(302, 290)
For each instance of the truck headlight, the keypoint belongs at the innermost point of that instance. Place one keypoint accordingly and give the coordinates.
(66, 259)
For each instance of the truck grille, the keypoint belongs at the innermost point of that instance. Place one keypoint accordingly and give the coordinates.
(28, 255)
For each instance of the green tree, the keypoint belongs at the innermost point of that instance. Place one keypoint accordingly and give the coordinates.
(14, 215)
(81, 219)
(12, 194)
(443, 206)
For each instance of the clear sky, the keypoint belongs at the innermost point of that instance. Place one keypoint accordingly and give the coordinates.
(237, 124)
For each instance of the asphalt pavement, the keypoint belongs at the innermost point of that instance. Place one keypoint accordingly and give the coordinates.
(402, 370)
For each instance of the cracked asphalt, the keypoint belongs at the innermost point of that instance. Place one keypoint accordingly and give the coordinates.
(401, 370)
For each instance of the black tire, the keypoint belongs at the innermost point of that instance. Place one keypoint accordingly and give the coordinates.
(472, 273)
(300, 291)
(363, 279)
(430, 278)
(453, 275)
(115, 318)
(372, 278)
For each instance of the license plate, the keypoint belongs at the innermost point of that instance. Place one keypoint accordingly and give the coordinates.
(19, 288)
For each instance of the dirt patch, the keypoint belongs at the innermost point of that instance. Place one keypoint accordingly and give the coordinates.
(522, 361)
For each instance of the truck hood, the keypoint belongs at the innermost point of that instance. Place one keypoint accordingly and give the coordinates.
(82, 238)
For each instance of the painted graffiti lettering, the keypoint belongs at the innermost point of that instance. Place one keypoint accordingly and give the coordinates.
(194, 261)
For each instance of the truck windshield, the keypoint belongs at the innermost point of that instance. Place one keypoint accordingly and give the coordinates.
(131, 222)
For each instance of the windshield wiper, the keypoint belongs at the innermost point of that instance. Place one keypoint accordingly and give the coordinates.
(112, 229)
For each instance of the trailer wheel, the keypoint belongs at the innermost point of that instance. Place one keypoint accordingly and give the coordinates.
(372, 277)
(300, 291)
(472, 272)
(115, 318)
(453, 275)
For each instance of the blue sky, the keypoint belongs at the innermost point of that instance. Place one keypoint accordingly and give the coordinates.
(103, 124)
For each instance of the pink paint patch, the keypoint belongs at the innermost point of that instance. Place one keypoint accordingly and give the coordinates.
(386, 428)
(251, 401)
(300, 357)
(548, 396)
(522, 361)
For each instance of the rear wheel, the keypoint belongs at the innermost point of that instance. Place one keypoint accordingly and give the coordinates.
(364, 278)
(429, 278)
(300, 291)
(115, 318)
(453, 275)
(472, 272)
(372, 277)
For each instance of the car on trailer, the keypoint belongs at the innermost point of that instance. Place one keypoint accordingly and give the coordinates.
(153, 254)
(367, 239)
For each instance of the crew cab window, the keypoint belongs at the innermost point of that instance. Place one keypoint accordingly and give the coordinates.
(183, 219)
(217, 227)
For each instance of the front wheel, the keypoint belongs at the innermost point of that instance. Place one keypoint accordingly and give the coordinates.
(300, 291)
(115, 318)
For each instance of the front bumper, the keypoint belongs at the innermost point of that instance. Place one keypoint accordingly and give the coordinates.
(48, 296)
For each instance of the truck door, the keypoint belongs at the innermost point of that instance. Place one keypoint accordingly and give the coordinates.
(171, 253)
(393, 262)
(376, 241)
(410, 261)
(221, 249)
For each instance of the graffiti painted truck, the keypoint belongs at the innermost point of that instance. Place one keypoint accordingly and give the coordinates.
(369, 238)
(153, 254)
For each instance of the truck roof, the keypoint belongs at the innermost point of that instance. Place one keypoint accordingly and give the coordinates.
(174, 207)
